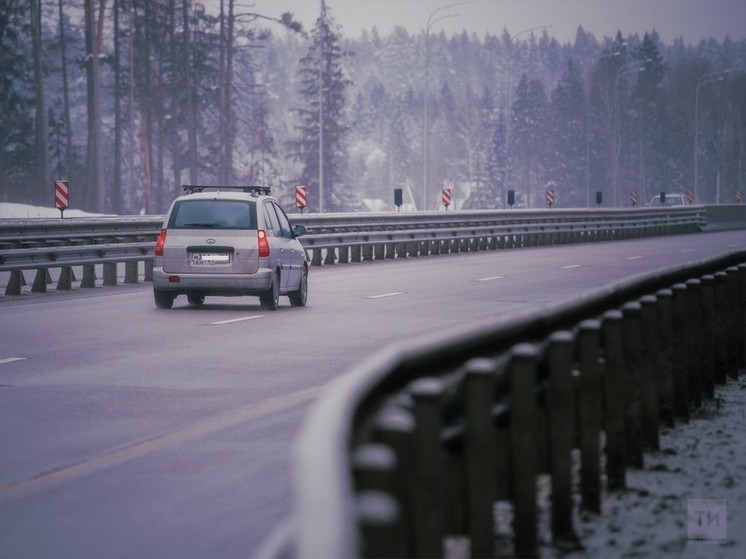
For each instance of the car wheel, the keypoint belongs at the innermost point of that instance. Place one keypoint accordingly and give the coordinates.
(300, 297)
(163, 299)
(195, 299)
(271, 299)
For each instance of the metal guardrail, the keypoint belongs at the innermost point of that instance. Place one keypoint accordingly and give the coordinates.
(41, 244)
(419, 443)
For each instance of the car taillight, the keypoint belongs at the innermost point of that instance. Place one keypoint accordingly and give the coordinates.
(263, 244)
(160, 243)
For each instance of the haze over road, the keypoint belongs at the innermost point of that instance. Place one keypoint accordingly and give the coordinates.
(127, 431)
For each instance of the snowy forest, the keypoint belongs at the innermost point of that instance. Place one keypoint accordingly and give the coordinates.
(130, 99)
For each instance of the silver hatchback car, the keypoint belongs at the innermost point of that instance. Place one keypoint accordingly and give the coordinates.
(229, 241)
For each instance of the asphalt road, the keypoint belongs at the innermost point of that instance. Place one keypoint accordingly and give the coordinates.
(128, 431)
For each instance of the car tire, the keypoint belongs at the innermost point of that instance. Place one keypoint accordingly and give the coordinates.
(195, 299)
(300, 297)
(270, 300)
(163, 299)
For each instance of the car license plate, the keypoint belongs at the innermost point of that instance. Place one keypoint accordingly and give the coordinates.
(210, 258)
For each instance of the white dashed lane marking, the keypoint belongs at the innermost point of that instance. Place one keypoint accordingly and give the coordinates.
(571, 266)
(383, 295)
(232, 320)
(7, 360)
(491, 278)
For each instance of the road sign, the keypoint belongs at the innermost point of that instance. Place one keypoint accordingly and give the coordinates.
(445, 197)
(301, 197)
(61, 195)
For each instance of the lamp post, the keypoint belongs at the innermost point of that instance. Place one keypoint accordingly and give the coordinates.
(510, 88)
(588, 132)
(633, 67)
(707, 78)
(431, 20)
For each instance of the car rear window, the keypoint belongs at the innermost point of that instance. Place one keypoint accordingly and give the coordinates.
(213, 214)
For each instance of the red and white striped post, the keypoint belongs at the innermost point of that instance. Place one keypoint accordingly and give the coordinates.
(62, 196)
(689, 198)
(550, 197)
(445, 197)
(301, 197)
(633, 198)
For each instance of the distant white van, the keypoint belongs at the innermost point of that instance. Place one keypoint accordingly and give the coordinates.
(671, 199)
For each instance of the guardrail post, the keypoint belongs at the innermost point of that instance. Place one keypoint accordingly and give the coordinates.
(732, 320)
(741, 316)
(590, 415)
(391, 250)
(41, 279)
(374, 466)
(148, 273)
(480, 455)
(428, 501)
(650, 370)
(89, 275)
(131, 274)
(697, 361)
(378, 515)
(316, 259)
(709, 341)
(681, 356)
(665, 356)
(395, 428)
(632, 346)
(721, 309)
(523, 366)
(562, 421)
(65, 281)
(615, 396)
(15, 282)
(110, 273)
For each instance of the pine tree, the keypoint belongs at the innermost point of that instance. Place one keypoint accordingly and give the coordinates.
(567, 141)
(529, 125)
(322, 125)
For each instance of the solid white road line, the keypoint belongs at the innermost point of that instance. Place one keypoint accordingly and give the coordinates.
(232, 320)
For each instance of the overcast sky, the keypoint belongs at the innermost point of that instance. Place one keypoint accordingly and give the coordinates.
(691, 19)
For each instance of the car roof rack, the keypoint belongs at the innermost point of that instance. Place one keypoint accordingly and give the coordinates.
(256, 190)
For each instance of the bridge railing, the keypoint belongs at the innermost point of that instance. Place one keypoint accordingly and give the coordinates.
(43, 244)
(417, 448)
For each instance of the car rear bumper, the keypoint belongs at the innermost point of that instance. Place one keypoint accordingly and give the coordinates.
(213, 283)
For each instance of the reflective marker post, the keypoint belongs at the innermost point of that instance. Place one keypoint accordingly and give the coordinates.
(61, 196)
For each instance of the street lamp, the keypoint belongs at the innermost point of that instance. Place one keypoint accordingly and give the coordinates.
(634, 67)
(707, 78)
(510, 73)
(588, 132)
(431, 20)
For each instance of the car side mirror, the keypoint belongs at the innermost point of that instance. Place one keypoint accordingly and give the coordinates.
(300, 230)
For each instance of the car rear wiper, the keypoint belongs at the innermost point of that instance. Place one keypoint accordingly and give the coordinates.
(199, 225)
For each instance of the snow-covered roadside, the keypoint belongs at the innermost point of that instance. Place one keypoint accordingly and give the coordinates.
(702, 459)
(11, 210)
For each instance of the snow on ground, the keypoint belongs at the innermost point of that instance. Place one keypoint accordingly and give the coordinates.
(12, 210)
(689, 500)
